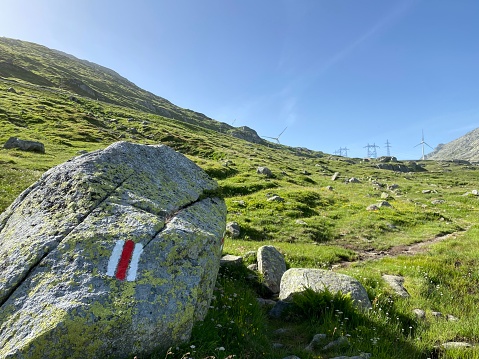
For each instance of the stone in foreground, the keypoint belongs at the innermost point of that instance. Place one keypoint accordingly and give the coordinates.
(112, 254)
(296, 280)
(271, 265)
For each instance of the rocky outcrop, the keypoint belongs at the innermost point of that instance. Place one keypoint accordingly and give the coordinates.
(462, 148)
(246, 133)
(295, 280)
(24, 145)
(111, 254)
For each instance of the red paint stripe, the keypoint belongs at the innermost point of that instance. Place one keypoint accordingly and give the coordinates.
(125, 259)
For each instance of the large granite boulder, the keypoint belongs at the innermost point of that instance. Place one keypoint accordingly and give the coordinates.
(111, 254)
(296, 280)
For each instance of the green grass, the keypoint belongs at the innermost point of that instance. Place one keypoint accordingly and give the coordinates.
(313, 227)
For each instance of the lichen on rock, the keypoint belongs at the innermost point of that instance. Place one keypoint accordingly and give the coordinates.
(61, 294)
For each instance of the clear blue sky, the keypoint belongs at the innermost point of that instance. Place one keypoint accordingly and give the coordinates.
(337, 73)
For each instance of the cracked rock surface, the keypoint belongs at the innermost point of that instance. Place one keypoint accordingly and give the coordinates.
(113, 253)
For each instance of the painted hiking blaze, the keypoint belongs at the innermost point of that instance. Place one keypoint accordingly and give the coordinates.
(124, 259)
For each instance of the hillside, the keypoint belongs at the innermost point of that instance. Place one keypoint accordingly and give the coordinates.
(313, 208)
(26, 62)
(463, 148)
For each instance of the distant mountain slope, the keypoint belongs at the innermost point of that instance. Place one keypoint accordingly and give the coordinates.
(26, 62)
(463, 148)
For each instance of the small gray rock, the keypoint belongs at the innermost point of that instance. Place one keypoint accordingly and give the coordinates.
(231, 260)
(354, 180)
(317, 339)
(451, 318)
(384, 204)
(275, 198)
(233, 228)
(419, 313)
(372, 207)
(397, 284)
(335, 176)
(456, 345)
(264, 171)
(340, 342)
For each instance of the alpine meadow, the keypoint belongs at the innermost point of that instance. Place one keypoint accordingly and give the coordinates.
(362, 217)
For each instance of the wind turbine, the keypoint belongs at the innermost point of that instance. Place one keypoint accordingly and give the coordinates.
(277, 138)
(423, 143)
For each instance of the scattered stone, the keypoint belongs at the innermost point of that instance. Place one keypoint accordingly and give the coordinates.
(419, 313)
(436, 315)
(372, 207)
(340, 342)
(231, 260)
(281, 331)
(335, 176)
(233, 228)
(354, 180)
(300, 221)
(264, 171)
(384, 204)
(329, 188)
(451, 318)
(426, 191)
(111, 253)
(291, 357)
(317, 339)
(277, 345)
(475, 192)
(31, 146)
(397, 284)
(265, 302)
(393, 187)
(11, 90)
(271, 265)
(275, 198)
(360, 356)
(456, 345)
(296, 280)
(253, 267)
(438, 201)
(279, 309)
(306, 173)
(384, 195)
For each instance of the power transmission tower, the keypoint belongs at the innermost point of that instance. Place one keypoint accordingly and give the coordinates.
(345, 149)
(372, 153)
(423, 143)
(388, 146)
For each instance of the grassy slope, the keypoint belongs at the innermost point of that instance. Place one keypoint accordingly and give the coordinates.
(313, 227)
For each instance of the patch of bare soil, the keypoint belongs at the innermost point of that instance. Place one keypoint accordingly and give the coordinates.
(411, 249)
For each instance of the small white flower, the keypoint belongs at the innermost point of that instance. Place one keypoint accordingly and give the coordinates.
(221, 349)
(192, 347)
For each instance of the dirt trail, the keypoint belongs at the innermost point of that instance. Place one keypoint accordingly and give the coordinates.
(410, 249)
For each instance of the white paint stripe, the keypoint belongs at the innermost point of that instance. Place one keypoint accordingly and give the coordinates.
(134, 262)
(115, 257)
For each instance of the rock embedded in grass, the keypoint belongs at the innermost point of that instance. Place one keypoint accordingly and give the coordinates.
(112, 253)
(296, 280)
(271, 265)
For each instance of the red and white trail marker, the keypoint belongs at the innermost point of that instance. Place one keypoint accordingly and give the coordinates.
(124, 259)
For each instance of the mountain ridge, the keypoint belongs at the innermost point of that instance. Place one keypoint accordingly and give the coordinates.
(465, 148)
(39, 65)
